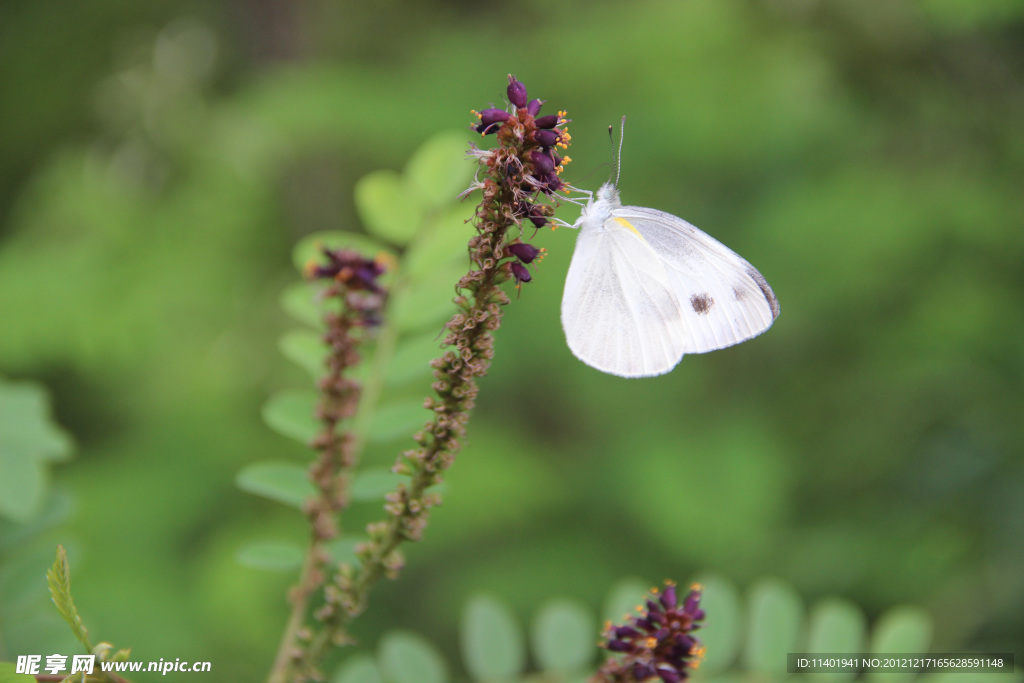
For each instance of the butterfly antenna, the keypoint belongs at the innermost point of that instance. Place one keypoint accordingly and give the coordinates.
(618, 154)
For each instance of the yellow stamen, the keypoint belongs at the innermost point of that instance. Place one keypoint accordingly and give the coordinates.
(385, 259)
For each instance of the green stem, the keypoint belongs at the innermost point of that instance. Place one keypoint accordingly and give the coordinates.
(283, 661)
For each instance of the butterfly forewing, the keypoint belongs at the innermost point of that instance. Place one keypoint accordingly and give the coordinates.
(723, 299)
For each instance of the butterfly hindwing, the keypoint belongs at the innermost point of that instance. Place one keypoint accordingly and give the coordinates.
(620, 311)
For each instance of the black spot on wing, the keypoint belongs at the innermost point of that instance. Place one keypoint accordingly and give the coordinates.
(701, 303)
(769, 295)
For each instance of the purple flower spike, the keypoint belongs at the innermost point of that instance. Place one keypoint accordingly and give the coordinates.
(523, 251)
(657, 642)
(516, 92)
(534, 106)
(543, 163)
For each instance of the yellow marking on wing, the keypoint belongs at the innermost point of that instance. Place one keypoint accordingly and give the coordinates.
(626, 224)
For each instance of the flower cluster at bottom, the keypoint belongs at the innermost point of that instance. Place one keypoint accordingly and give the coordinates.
(658, 643)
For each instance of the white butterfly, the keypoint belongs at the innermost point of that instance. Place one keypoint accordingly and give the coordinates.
(645, 288)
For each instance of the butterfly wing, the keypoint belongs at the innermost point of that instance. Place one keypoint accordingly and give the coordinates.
(723, 299)
(620, 311)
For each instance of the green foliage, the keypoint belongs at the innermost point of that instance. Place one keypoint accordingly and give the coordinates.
(492, 642)
(774, 621)
(421, 277)
(284, 482)
(405, 657)
(29, 441)
(865, 156)
(563, 636)
(27, 614)
(58, 578)
(270, 555)
(745, 639)
(8, 675)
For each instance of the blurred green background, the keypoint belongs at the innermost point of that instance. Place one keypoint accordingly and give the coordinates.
(159, 160)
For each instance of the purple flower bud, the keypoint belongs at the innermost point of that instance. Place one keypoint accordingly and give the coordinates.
(516, 92)
(523, 251)
(669, 598)
(686, 641)
(534, 106)
(490, 119)
(669, 676)
(692, 602)
(538, 220)
(552, 181)
(618, 646)
(520, 273)
(549, 121)
(545, 138)
(542, 163)
(641, 672)
(625, 632)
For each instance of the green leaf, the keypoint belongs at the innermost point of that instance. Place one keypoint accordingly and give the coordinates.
(306, 349)
(25, 423)
(291, 413)
(358, 669)
(299, 300)
(427, 302)
(23, 485)
(405, 657)
(836, 626)
(344, 549)
(269, 555)
(373, 484)
(902, 629)
(563, 636)
(776, 614)
(722, 631)
(310, 247)
(29, 439)
(401, 418)
(905, 628)
(440, 169)
(8, 675)
(443, 240)
(624, 596)
(284, 482)
(412, 358)
(387, 208)
(58, 578)
(492, 643)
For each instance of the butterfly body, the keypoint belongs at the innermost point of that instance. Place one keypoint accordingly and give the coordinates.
(645, 288)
